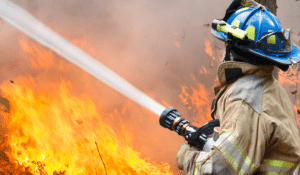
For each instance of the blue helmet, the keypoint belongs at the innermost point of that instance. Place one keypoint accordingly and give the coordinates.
(265, 37)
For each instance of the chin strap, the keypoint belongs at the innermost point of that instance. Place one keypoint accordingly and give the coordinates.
(229, 43)
(227, 53)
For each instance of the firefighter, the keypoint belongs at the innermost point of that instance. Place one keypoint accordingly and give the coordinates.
(258, 131)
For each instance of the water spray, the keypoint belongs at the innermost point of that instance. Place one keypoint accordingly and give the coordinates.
(25, 22)
(169, 118)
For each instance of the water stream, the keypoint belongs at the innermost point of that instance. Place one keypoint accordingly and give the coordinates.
(26, 23)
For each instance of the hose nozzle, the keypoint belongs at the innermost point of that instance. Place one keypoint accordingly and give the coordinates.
(171, 119)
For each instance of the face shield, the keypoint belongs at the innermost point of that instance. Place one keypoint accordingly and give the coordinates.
(283, 46)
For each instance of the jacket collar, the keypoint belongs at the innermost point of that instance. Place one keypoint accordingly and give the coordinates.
(231, 70)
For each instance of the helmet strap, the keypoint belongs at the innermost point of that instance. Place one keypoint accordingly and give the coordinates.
(227, 53)
(229, 44)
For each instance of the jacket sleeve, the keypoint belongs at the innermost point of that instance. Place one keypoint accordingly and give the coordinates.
(240, 147)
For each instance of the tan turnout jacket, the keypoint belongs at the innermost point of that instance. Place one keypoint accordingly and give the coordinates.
(258, 126)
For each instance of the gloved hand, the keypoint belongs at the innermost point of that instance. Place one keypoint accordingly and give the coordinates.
(183, 151)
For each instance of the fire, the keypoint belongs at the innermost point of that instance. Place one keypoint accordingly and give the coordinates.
(289, 80)
(214, 53)
(208, 49)
(43, 58)
(196, 98)
(40, 58)
(203, 71)
(51, 132)
(297, 110)
(288, 77)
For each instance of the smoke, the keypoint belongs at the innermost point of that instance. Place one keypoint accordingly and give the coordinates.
(156, 45)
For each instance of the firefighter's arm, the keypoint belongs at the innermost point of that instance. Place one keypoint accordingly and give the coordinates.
(239, 149)
(184, 151)
(187, 160)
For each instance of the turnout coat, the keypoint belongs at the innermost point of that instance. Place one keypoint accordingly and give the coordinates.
(258, 126)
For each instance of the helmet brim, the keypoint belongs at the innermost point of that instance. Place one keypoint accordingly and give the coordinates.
(286, 59)
(220, 35)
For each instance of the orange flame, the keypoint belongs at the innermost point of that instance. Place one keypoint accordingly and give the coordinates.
(213, 53)
(208, 49)
(41, 58)
(51, 131)
(289, 77)
(297, 110)
(197, 100)
(289, 80)
(203, 71)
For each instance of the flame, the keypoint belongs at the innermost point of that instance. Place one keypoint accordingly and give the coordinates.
(289, 80)
(51, 131)
(297, 110)
(203, 71)
(213, 53)
(208, 49)
(41, 58)
(196, 98)
(288, 77)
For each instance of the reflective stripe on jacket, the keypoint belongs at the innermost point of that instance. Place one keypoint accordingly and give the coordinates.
(258, 133)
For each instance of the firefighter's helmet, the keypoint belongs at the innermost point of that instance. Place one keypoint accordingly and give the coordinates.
(265, 37)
